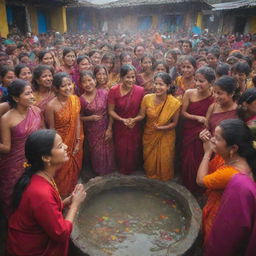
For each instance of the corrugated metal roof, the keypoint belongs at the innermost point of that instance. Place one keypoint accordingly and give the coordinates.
(234, 5)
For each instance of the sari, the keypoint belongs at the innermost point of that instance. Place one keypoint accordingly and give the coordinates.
(234, 229)
(181, 87)
(37, 227)
(66, 125)
(148, 85)
(159, 145)
(101, 151)
(11, 164)
(127, 141)
(215, 182)
(192, 146)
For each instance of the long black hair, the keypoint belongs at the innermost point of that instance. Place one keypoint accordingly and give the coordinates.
(38, 71)
(167, 80)
(236, 132)
(38, 144)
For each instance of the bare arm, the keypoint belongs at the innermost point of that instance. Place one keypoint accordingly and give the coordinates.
(173, 123)
(185, 104)
(5, 146)
(49, 117)
(113, 114)
(4, 107)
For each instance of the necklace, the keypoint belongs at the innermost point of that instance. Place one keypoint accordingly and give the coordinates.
(51, 180)
(231, 162)
(61, 103)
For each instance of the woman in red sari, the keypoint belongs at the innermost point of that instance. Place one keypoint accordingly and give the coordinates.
(63, 115)
(37, 226)
(124, 103)
(16, 125)
(195, 104)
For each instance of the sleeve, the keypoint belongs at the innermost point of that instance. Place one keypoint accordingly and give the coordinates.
(111, 96)
(220, 178)
(144, 101)
(48, 215)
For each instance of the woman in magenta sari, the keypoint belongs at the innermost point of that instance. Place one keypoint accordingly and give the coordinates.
(124, 103)
(194, 108)
(16, 125)
(98, 128)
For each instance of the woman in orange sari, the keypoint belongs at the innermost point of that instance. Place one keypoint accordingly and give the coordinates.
(63, 115)
(237, 153)
(162, 111)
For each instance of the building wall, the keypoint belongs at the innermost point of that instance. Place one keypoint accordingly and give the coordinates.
(58, 20)
(32, 11)
(3, 19)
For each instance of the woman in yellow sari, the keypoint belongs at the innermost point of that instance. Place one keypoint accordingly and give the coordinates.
(63, 115)
(162, 112)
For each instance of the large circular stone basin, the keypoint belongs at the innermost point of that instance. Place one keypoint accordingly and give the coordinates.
(135, 220)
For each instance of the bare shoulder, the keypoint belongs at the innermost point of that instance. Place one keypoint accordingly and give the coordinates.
(4, 107)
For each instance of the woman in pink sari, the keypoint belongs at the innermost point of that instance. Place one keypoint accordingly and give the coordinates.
(98, 128)
(124, 103)
(195, 104)
(16, 125)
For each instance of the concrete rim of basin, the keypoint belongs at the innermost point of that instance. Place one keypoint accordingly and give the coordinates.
(183, 196)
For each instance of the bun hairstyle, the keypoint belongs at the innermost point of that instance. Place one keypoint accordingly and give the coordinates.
(208, 73)
(247, 97)
(38, 144)
(229, 85)
(231, 128)
(15, 89)
(167, 80)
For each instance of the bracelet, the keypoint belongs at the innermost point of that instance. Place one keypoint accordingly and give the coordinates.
(207, 157)
(78, 139)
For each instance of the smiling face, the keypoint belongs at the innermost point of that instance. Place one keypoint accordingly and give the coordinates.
(221, 96)
(45, 79)
(202, 84)
(108, 63)
(8, 78)
(95, 58)
(212, 60)
(26, 98)
(84, 65)
(160, 68)
(26, 74)
(66, 87)
(160, 87)
(69, 59)
(88, 84)
(47, 59)
(129, 79)
(127, 60)
(170, 61)
(101, 77)
(187, 69)
(146, 64)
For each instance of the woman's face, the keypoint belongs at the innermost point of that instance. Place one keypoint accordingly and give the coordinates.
(129, 79)
(146, 64)
(26, 98)
(219, 144)
(45, 79)
(95, 58)
(127, 60)
(8, 78)
(69, 59)
(88, 84)
(202, 84)
(26, 74)
(160, 68)
(108, 63)
(160, 87)
(47, 59)
(101, 77)
(187, 69)
(170, 61)
(84, 65)
(212, 60)
(66, 87)
(221, 96)
(59, 151)
(251, 108)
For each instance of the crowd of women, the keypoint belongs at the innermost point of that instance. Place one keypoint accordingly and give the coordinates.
(121, 104)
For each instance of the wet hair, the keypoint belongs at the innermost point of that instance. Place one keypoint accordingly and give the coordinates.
(241, 67)
(231, 128)
(67, 50)
(190, 59)
(123, 55)
(208, 73)
(82, 57)
(248, 96)
(167, 80)
(38, 144)
(4, 70)
(15, 89)
(86, 73)
(222, 69)
(109, 56)
(125, 69)
(161, 63)
(229, 85)
(148, 56)
(18, 69)
(41, 54)
(92, 52)
(57, 79)
(98, 68)
(38, 71)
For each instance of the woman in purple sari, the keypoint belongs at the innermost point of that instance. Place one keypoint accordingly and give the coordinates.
(194, 108)
(124, 103)
(98, 128)
(16, 125)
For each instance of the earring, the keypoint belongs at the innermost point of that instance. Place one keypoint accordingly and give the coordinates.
(48, 163)
(231, 154)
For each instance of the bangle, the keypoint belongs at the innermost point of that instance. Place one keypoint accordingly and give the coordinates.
(78, 139)
(207, 157)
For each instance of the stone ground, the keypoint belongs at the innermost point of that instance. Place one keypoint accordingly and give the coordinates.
(86, 175)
